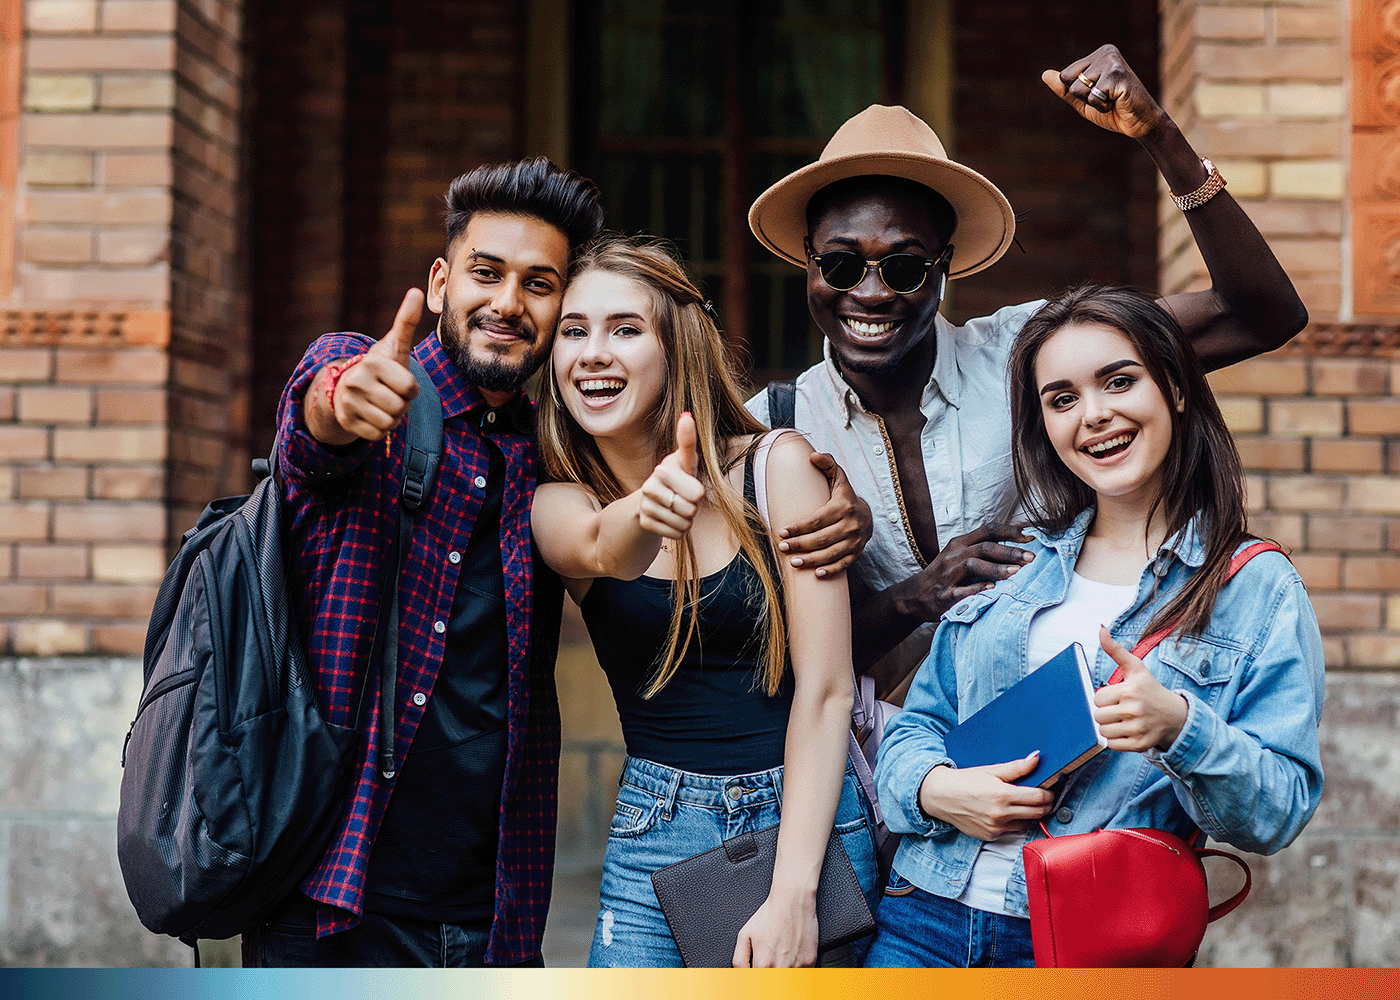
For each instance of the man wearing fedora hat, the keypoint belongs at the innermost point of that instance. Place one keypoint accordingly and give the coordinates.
(914, 408)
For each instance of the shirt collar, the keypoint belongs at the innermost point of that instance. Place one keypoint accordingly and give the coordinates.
(1187, 545)
(946, 376)
(459, 397)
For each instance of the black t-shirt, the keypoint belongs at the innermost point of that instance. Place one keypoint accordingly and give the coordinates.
(435, 854)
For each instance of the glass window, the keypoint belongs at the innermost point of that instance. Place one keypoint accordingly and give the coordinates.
(684, 115)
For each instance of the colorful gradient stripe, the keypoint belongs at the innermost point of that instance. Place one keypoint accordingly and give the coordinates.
(684, 984)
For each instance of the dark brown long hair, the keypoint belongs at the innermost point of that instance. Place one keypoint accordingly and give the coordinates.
(1201, 472)
(701, 379)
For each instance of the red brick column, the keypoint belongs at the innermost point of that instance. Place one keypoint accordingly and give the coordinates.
(110, 413)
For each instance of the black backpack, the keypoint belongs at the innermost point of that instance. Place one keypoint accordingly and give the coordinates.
(233, 779)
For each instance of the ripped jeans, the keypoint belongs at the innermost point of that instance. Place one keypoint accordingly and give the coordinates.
(663, 816)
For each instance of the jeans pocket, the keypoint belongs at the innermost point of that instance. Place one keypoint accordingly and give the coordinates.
(857, 839)
(898, 885)
(635, 813)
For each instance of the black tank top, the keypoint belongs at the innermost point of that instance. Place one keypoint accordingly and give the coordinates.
(712, 717)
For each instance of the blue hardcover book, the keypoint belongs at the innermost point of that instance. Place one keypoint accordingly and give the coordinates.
(1050, 710)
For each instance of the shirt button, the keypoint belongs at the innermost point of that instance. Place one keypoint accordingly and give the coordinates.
(439, 627)
(1064, 814)
(420, 699)
(454, 557)
(894, 518)
(480, 482)
(736, 792)
(879, 449)
(491, 417)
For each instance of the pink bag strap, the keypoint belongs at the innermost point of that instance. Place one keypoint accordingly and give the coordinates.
(1240, 558)
(860, 715)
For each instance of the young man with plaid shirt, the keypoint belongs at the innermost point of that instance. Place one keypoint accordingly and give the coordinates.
(444, 856)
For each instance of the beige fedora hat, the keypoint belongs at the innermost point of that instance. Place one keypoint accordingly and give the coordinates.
(890, 141)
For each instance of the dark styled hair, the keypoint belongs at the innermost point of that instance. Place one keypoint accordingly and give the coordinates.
(945, 220)
(1201, 472)
(534, 187)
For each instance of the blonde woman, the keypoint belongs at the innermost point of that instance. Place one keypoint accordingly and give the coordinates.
(731, 674)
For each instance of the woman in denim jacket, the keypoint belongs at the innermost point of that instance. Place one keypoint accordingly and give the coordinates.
(1136, 498)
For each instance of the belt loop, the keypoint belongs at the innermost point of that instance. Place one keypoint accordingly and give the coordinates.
(668, 804)
(778, 785)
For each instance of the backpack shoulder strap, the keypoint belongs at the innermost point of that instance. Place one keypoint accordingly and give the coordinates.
(782, 403)
(1237, 562)
(422, 452)
(760, 472)
(424, 445)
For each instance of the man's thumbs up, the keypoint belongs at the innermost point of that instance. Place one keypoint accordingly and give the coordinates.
(397, 344)
(367, 395)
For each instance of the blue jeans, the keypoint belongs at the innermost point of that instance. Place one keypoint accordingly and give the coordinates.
(379, 940)
(663, 816)
(918, 930)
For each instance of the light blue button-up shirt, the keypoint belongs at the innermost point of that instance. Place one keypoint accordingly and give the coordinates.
(966, 449)
(1245, 768)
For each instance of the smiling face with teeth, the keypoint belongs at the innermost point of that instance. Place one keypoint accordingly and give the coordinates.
(1107, 419)
(609, 362)
(875, 332)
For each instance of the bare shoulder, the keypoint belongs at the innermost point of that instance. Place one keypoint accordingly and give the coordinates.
(553, 498)
(789, 452)
(795, 485)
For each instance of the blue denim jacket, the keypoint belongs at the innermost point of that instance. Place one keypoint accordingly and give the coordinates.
(1245, 769)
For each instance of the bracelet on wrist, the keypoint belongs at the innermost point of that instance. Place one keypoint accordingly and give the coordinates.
(335, 370)
(1213, 185)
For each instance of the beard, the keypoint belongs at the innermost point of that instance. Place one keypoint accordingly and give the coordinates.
(489, 370)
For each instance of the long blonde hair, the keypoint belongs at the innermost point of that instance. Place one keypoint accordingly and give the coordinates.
(701, 379)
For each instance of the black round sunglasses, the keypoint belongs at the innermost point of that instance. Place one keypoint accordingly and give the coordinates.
(902, 273)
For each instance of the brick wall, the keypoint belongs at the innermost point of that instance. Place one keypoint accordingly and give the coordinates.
(83, 347)
(209, 349)
(1289, 99)
(1086, 194)
(1262, 88)
(114, 418)
(353, 150)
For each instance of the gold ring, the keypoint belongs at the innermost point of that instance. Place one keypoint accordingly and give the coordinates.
(1086, 81)
(1096, 92)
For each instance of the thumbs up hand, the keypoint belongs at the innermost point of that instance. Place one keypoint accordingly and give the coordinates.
(397, 344)
(372, 395)
(672, 493)
(1137, 713)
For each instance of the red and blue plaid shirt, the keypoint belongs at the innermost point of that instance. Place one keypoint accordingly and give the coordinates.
(342, 514)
